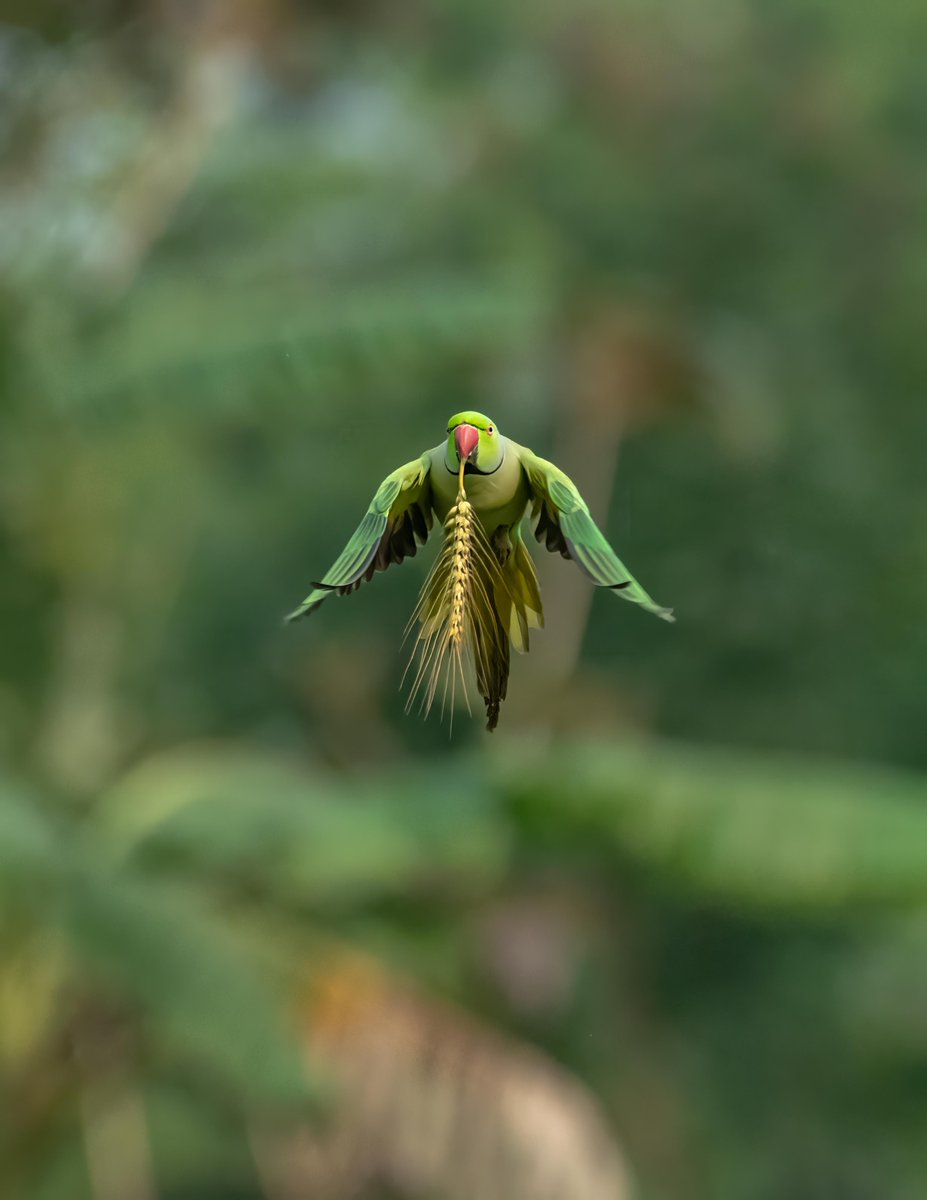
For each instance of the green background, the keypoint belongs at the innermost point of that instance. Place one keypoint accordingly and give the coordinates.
(252, 255)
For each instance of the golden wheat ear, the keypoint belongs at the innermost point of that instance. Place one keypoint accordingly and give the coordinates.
(455, 613)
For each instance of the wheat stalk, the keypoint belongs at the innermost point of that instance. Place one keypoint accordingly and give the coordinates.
(452, 609)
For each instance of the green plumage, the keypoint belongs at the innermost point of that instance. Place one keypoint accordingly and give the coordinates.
(564, 524)
(482, 596)
(394, 526)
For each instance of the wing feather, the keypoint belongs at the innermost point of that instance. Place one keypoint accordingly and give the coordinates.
(397, 522)
(564, 525)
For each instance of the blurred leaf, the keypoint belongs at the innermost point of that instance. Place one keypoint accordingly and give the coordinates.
(178, 333)
(771, 831)
(198, 995)
(30, 856)
(305, 837)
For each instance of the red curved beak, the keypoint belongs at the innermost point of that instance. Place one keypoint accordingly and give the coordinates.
(467, 438)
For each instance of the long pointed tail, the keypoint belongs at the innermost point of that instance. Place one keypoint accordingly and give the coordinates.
(518, 595)
(459, 612)
(492, 658)
(515, 609)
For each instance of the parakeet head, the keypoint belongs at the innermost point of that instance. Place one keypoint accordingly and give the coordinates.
(475, 440)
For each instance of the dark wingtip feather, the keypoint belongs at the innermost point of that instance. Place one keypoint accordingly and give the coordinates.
(296, 615)
(304, 610)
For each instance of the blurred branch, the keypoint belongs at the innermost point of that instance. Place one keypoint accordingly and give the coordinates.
(587, 442)
(115, 1125)
(433, 1103)
(625, 372)
(79, 742)
(216, 43)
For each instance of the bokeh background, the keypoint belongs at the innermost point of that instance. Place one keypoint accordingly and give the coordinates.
(264, 937)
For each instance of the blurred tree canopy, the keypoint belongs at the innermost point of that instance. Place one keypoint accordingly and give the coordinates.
(252, 254)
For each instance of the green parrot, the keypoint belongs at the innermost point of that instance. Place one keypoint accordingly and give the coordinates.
(482, 596)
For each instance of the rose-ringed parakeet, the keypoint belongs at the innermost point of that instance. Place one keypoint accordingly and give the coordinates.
(482, 595)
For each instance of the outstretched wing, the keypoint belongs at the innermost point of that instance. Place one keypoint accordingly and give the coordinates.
(565, 526)
(396, 524)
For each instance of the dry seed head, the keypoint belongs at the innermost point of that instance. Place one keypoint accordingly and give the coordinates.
(451, 608)
(461, 533)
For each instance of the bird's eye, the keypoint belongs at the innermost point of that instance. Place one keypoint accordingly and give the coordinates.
(490, 430)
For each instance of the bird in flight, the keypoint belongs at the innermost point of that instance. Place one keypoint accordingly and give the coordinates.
(482, 596)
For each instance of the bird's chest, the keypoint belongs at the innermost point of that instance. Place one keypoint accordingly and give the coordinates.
(499, 498)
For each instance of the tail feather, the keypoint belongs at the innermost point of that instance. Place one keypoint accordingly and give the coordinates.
(492, 657)
(481, 599)
(516, 609)
(457, 613)
(519, 598)
(492, 654)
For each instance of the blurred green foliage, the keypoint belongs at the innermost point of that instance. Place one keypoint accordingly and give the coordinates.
(251, 257)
